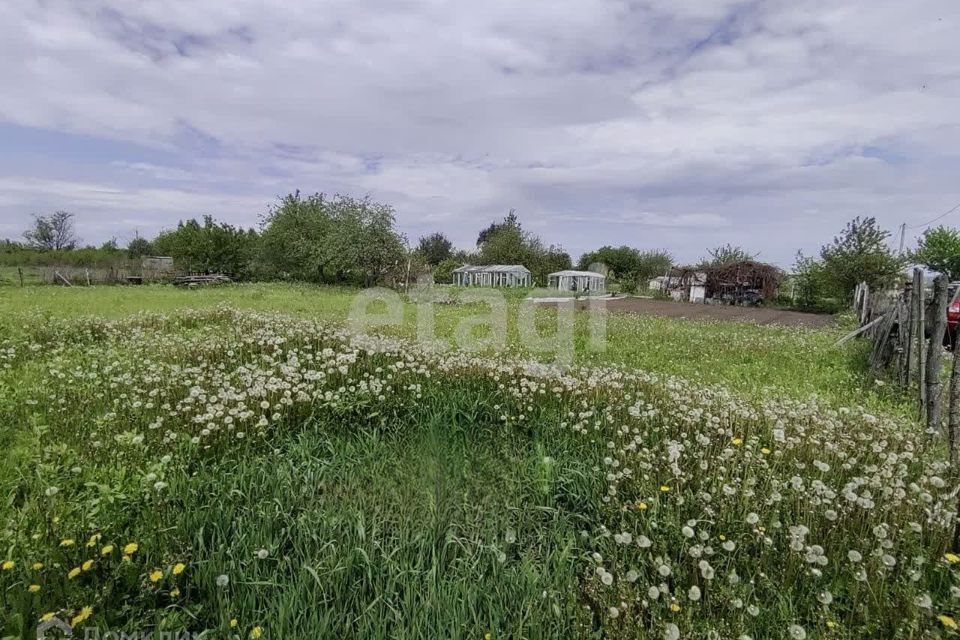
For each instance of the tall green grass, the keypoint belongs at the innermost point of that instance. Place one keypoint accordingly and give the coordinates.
(389, 493)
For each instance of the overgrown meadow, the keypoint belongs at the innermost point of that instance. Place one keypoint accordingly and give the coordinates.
(255, 474)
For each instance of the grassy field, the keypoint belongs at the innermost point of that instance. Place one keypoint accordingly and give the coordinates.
(771, 360)
(232, 461)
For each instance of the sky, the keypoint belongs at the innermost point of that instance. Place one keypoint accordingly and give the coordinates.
(674, 124)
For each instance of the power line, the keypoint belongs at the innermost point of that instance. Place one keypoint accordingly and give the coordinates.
(942, 215)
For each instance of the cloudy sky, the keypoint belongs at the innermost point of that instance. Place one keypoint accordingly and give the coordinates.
(680, 124)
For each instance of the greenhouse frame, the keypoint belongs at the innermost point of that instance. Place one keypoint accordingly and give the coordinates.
(493, 275)
(581, 281)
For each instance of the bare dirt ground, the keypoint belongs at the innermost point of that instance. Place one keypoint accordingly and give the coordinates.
(689, 311)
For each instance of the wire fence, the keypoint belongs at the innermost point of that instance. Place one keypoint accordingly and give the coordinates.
(81, 276)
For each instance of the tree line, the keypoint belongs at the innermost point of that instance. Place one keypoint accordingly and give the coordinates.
(354, 241)
(502, 242)
(862, 253)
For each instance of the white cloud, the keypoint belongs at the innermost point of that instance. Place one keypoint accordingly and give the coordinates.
(764, 124)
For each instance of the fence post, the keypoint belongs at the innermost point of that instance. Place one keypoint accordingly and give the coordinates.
(921, 341)
(903, 337)
(20, 273)
(935, 350)
(953, 420)
(911, 331)
(867, 301)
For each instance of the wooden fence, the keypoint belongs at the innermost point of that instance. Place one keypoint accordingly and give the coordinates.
(909, 333)
(80, 276)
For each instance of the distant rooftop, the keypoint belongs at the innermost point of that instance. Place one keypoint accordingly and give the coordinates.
(571, 272)
(491, 268)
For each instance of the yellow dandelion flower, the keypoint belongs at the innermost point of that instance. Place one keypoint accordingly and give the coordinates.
(86, 565)
(831, 624)
(178, 568)
(233, 623)
(947, 621)
(85, 613)
(94, 539)
(34, 588)
(36, 566)
(765, 451)
(131, 549)
(642, 506)
(256, 632)
(7, 565)
(952, 558)
(67, 542)
(156, 575)
(722, 537)
(73, 573)
(487, 636)
(664, 488)
(174, 592)
(107, 550)
(674, 607)
(737, 442)
(47, 617)
(125, 558)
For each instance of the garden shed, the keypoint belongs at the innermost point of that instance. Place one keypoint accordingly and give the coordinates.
(577, 281)
(682, 284)
(493, 275)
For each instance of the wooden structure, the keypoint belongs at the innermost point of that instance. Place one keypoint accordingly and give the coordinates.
(744, 282)
(579, 281)
(493, 275)
(205, 280)
(683, 284)
(747, 283)
(908, 326)
(157, 263)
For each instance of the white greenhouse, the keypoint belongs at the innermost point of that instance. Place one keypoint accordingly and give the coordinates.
(493, 275)
(580, 281)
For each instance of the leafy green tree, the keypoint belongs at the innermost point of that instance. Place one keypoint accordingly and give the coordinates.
(651, 264)
(507, 245)
(628, 265)
(293, 239)
(209, 247)
(810, 283)
(939, 250)
(726, 254)
(553, 259)
(335, 239)
(435, 248)
(510, 223)
(620, 261)
(52, 233)
(506, 242)
(443, 272)
(462, 256)
(859, 254)
(364, 244)
(139, 247)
